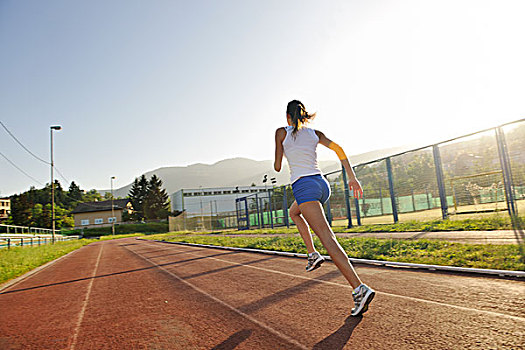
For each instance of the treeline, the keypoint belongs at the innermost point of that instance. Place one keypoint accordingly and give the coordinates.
(33, 207)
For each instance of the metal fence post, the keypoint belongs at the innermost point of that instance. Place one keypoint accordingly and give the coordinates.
(381, 201)
(328, 212)
(347, 198)
(270, 201)
(261, 206)
(258, 211)
(357, 212)
(391, 188)
(285, 207)
(237, 212)
(507, 173)
(247, 213)
(9, 243)
(440, 182)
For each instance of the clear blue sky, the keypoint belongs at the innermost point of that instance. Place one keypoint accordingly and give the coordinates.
(138, 85)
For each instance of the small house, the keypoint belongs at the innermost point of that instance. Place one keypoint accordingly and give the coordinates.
(99, 214)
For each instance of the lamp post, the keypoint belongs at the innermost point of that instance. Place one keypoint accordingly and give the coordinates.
(112, 208)
(51, 128)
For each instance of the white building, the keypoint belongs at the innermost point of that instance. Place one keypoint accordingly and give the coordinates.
(202, 201)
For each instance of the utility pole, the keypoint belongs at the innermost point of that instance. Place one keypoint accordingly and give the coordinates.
(51, 128)
(112, 208)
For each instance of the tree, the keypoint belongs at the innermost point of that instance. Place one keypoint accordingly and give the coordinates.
(156, 205)
(137, 195)
(91, 196)
(74, 192)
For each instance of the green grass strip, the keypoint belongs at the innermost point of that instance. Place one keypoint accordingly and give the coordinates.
(485, 256)
(16, 261)
(484, 224)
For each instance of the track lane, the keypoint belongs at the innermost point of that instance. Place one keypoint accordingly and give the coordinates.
(42, 310)
(327, 295)
(160, 296)
(137, 305)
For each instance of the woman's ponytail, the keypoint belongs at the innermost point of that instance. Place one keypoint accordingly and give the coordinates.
(299, 115)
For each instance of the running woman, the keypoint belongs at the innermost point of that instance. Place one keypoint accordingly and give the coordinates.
(299, 143)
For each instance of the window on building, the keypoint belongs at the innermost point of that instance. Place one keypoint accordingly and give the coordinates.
(217, 192)
(227, 192)
(99, 221)
(84, 222)
(112, 220)
(245, 191)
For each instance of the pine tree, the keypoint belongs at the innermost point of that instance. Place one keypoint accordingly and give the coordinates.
(137, 195)
(74, 195)
(156, 205)
(74, 192)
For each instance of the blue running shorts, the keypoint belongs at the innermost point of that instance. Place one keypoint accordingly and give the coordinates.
(311, 188)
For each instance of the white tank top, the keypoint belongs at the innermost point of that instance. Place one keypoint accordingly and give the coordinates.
(301, 152)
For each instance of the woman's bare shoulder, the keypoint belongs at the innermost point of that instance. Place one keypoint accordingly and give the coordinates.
(280, 132)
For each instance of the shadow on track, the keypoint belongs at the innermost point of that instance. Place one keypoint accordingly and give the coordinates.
(164, 255)
(226, 268)
(286, 293)
(340, 337)
(115, 273)
(234, 340)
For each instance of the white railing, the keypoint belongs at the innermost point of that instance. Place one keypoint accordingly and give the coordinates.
(26, 229)
(20, 236)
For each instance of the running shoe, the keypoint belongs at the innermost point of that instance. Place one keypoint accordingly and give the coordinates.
(362, 295)
(314, 261)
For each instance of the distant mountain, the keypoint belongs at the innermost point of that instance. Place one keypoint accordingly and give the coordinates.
(238, 172)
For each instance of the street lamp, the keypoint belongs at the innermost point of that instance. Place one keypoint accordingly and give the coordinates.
(51, 128)
(112, 208)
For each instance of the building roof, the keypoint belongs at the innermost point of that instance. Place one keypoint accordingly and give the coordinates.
(100, 206)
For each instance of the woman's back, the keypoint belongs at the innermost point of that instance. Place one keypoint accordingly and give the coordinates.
(301, 152)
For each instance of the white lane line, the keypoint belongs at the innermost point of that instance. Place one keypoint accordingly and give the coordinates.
(223, 303)
(86, 299)
(463, 308)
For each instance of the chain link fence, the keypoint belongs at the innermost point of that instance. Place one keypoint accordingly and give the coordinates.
(468, 177)
(471, 176)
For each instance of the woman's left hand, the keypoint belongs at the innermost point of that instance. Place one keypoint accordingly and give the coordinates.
(355, 187)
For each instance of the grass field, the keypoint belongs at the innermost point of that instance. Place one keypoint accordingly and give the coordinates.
(508, 257)
(493, 222)
(435, 214)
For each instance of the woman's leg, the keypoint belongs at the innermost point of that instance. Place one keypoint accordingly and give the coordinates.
(314, 214)
(302, 226)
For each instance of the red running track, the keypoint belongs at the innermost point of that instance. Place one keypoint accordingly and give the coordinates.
(133, 294)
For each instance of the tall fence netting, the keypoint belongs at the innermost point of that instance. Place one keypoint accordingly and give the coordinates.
(473, 175)
(477, 173)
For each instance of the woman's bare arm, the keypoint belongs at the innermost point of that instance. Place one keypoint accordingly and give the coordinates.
(280, 134)
(353, 183)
